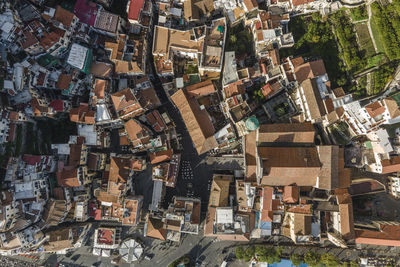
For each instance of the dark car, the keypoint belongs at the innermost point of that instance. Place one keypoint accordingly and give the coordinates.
(75, 258)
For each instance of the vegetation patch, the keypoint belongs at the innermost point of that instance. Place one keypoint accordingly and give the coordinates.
(364, 40)
(261, 253)
(347, 40)
(240, 40)
(383, 76)
(340, 132)
(358, 13)
(388, 24)
(313, 37)
(377, 35)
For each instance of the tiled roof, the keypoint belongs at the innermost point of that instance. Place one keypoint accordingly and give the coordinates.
(126, 103)
(119, 169)
(64, 16)
(134, 9)
(197, 121)
(329, 173)
(346, 220)
(82, 114)
(289, 165)
(200, 89)
(313, 98)
(389, 235)
(391, 165)
(290, 194)
(138, 134)
(155, 229)
(64, 80)
(309, 70)
(160, 156)
(286, 133)
(392, 107)
(375, 109)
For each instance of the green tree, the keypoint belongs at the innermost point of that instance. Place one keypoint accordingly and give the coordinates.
(249, 253)
(233, 38)
(296, 259)
(354, 264)
(312, 258)
(239, 252)
(330, 260)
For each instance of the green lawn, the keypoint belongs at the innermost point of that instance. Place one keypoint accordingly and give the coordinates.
(364, 40)
(377, 36)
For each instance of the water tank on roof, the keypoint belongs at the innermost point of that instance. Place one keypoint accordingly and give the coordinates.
(252, 123)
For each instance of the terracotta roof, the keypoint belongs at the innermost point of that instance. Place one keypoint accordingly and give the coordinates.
(74, 154)
(389, 235)
(391, 165)
(250, 4)
(132, 209)
(101, 69)
(57, 105)
(304, 209)
(64, 16)
(155, 229)
(250, 156)
(289, 165)
(302, 224)
(309, 70)
(119, 169)
(100, 87)
(274, 55)
(346, 221)
(197, 121)
(328, 103)
(134, 9)
(138, 134)
(235, 88)
(160, 156)
(82, 114)
(339, 92)
(219, 192)
(375, 109)
(286, 133)
(290, 194)
(50, 39)
(267, 213)
(148, 98)
(301, 2)
(68, 177)
(156, 121)
(297, 61)
(29, 39)
(126, 103)
(37, 108)
(200, 89)
(64, 80)
(165, 38)
(196, 9)
(313, 98)
(392, 107)
(329, 173)
(344, 173)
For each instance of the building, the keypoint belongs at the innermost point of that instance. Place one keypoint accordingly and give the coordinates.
(80, 57)
(197, 120)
